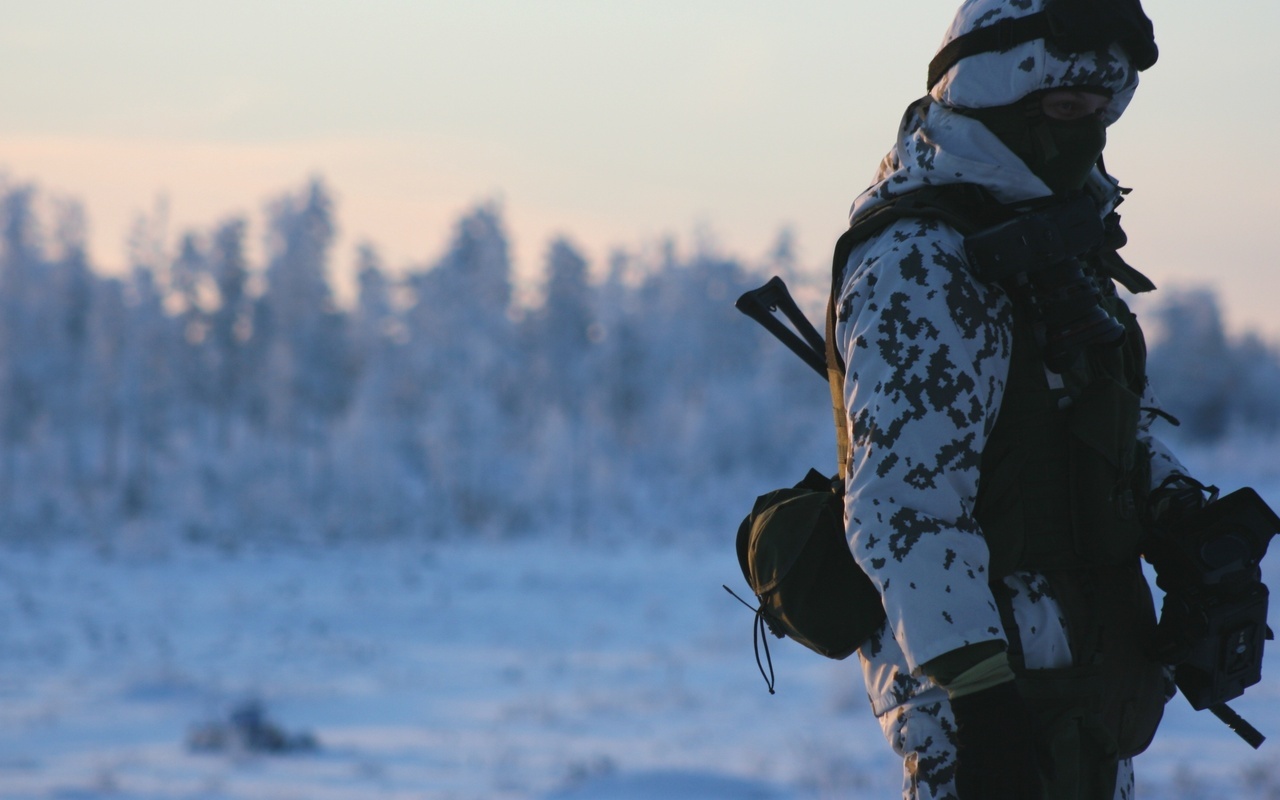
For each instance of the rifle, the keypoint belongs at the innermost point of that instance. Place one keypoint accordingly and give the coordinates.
(802, 338)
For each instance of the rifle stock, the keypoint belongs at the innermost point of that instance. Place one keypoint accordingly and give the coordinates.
(802, 338)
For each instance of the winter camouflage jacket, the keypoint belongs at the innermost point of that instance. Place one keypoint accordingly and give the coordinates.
(927, 348)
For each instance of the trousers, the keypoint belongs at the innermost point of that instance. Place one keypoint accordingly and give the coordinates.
(920, 731)
(918, 722)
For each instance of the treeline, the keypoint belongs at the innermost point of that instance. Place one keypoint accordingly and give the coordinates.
(205, 397)
(1214, 383)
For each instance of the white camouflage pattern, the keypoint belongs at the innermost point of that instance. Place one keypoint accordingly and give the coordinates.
(927, 348)
(998, 79)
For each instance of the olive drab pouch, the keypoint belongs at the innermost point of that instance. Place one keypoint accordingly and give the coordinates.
(1078, 756)
(1111, 622)
(1136, 687)
(794, 556)
(1108, 703)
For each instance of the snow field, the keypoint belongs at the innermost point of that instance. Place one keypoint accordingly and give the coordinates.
(533, 669)
(481, 670)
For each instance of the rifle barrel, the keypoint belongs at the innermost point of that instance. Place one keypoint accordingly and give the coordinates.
(1238, 724)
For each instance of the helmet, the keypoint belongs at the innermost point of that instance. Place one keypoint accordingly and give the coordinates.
(999, 51)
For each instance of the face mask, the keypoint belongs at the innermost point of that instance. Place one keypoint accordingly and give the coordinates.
(1059, 152)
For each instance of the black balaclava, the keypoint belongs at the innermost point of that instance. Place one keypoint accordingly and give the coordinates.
(1059, 152)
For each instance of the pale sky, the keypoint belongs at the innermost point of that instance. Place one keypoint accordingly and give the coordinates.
(611, 121)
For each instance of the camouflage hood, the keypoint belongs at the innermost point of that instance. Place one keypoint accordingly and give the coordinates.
(936, 145)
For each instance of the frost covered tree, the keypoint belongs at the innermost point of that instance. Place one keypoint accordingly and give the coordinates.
(188, 275)
(26, 303)
(558, 333)
(461, 342)
(1258, 405)
(235, 361)
(307, 366)
(146, 366)
(207, 395)
(556, 347)
(623, 385)
(1212, 382)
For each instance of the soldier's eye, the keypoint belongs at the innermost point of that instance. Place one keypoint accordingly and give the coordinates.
(1071, 105)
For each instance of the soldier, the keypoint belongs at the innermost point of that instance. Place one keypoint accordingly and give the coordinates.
(999, 469)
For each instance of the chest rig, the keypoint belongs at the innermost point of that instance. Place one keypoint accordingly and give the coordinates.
(1063, 474)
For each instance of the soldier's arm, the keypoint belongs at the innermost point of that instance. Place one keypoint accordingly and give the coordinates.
(1167, 490)
(927, 349)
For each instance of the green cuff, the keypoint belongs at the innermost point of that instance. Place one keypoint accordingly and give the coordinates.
(947, 667)
(990, 672)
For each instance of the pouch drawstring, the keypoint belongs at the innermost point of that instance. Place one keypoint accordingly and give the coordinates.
(758, 633)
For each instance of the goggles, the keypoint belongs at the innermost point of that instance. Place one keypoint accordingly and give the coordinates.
(1078, 26)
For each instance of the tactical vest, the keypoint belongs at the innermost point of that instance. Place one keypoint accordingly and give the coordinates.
(1062, 481)
(1062, 475)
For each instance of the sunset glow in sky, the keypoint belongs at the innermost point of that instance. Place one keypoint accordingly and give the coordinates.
(613, 121)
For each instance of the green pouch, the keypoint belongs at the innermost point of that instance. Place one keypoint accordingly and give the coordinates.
(794, 556)
(1137, 687)
(1110, 619)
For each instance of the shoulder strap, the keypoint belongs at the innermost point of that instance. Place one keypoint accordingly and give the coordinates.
(964, 206)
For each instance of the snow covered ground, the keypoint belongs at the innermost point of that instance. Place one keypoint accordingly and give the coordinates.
(537, 669)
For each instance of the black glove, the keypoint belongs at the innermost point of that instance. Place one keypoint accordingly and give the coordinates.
(995, 750)
(1176, 497)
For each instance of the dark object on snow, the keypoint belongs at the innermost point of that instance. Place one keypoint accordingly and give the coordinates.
(247, 730)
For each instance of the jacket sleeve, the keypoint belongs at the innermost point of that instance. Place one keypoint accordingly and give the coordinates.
(927, 352)
(1163, 462)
